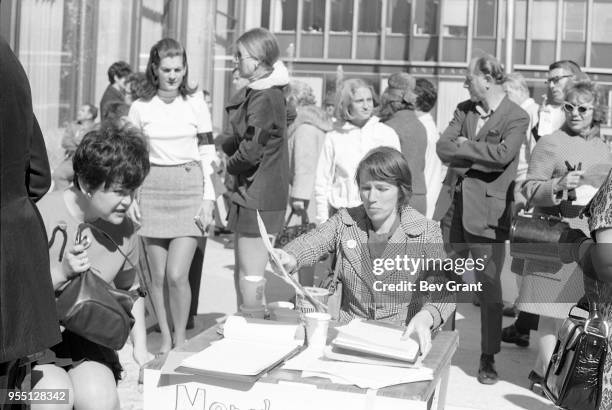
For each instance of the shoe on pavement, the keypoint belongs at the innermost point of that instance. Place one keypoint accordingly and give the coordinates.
(486, 371)
(511, 335)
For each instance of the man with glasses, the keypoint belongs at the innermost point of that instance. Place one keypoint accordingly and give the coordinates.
(560, 75)
(481, 147)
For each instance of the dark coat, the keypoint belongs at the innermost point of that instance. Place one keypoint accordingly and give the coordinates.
(28, 322)
(487, 162)
(413, 141)
(257, 148)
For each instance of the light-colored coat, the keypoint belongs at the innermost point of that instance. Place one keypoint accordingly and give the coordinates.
(343, 148)
(347, 234)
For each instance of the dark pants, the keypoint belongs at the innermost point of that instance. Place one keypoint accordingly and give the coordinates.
(195, 276)
(526, 322)
(11, 377)
(461, 244)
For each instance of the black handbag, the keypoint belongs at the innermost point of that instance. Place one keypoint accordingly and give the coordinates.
(536, 236)
(289, 233)
(93, 309)
(574, 376)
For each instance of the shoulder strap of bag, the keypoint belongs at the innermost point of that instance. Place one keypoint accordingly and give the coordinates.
(142, 289)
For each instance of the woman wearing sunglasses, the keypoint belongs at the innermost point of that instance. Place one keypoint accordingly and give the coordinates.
(554, 186)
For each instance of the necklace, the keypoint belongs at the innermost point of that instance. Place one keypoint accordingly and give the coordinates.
(167, 96)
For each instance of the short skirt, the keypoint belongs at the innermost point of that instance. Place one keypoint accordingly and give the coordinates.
(244, 220)
(169, 199)
(74, 350)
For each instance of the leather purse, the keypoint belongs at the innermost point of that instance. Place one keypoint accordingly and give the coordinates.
(536, 236)
(289, 233)
(573, 379)
(93, 309)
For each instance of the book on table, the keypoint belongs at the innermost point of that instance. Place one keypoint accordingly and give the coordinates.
(376, 339)
(249, 349)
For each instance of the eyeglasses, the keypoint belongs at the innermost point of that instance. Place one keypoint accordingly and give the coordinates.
(556, 80)
(582, 109)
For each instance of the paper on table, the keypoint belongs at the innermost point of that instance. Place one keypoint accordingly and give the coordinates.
(248, 347)
(241, 328)
(377, 339)
(361, 375)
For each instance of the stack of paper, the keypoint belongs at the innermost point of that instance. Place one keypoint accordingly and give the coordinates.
(376, 339)
(366, 376)
(249, 349)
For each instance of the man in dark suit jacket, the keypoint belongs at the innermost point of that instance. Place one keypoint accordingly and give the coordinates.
(28, 323)
(481, 146)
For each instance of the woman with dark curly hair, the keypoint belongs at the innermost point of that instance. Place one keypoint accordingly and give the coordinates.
(109, 166)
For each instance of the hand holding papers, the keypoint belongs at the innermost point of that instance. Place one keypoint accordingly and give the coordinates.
(280, 271)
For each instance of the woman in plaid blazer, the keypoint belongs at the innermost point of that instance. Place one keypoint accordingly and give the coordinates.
(373, 243)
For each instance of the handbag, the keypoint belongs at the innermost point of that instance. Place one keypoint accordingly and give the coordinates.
(535, 235)
(93, 309)
(289, 233)
(573, 379)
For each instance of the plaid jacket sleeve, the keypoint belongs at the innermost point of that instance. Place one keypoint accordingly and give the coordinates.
(440, 304)
(310, 247)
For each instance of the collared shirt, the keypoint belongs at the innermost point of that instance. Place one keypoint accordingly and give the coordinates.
(484, 116)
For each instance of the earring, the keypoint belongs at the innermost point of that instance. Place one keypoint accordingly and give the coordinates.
(89, 194)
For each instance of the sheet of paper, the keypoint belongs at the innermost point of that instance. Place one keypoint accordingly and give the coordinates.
(377, 338)
(241, 328)
(361, 375)
(238, 357)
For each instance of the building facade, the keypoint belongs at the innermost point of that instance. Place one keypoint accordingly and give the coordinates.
(66, 46)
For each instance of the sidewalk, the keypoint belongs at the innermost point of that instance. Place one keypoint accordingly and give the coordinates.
(217, 298)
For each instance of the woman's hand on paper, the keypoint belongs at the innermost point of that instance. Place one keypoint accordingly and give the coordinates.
(286, 260)
(420, 326)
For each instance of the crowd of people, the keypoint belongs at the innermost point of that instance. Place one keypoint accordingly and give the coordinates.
(375, 175)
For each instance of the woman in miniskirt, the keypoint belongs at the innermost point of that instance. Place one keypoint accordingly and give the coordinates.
(257, 150)
(174, 118)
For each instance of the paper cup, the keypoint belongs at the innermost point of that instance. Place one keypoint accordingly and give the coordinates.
(252, 288)
(258, 312)
(317, 325)
(320, 294)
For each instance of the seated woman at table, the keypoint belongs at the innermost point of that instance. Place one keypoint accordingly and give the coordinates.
(383, 228)
(109, 165)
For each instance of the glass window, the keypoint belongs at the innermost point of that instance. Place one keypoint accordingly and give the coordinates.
(289, 15)
(342, 15)
(369, 16)
(602, 21)
(398, 16)
(544, 20)
(114, 32)
(426, 17)
(485, 17)
(313, 15)
(520, 18)
(455, 18)
(574, 20)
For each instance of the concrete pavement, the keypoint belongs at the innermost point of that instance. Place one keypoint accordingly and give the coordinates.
(217, 298)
